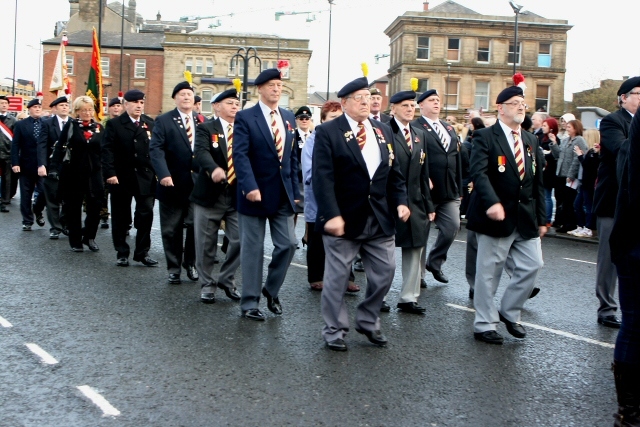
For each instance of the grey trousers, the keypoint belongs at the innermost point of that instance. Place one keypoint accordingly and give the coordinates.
(411, 267)
(378, 257)
(527, 261)
(252, 231)
(206, 223)
(50, 187)
(606, 275)
(448, 222)
(471, 259)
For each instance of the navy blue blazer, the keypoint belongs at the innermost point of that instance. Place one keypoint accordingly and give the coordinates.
(256, 162)
(48, 137)
(341, 181)
(24, 148)
(171, 155)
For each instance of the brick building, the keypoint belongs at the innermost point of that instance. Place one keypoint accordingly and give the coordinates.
(474, 53)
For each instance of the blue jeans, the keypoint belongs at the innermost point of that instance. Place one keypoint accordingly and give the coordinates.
(583, 206)
(549, 203)
(628, 342)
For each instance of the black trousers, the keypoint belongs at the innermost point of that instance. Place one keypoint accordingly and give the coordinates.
(5, 181)
(121, 218)
(567, 196)
(28, 184)
(172, 220)
(73, 216)
(54, 214)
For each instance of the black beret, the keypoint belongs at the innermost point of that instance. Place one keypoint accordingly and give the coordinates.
(114, 101)
(509, 93)
(628, 85)
(427, 94)
(179, 87)
(197, 99)
(402, 96)
(58, 101)
(133, 95)
(231, 93)
(357, 84)
(303, 111)
(375, 91)
(266, 75)
(33, 102)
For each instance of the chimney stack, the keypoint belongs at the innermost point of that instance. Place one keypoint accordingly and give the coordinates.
(158, 17)
(425, 6)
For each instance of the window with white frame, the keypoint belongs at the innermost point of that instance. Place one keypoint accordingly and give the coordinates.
(482, 96)
(188, 64)
(423, 48)
(542, 97)
(423, 86)
(209, 66)
(517, 54)
(140, 71)
(544, 55)
(236, 67)
(104, 64)
(484, 50)
(70, 64)
(206, 95)
(453, 50)
(199, 64)
(105, 104)
(451, 95)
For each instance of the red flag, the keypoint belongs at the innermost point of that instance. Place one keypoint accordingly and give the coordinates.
(94, 83)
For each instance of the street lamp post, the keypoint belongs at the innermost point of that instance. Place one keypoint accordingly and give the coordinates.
(245, 54)
(446, 92)
(516, 9)
(121, 47)
(15, 37)
(329, 55)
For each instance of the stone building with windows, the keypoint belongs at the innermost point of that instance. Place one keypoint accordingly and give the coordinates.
(207, 54)
(468, 57)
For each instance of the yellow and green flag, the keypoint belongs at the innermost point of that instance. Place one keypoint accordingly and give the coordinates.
(94, 83)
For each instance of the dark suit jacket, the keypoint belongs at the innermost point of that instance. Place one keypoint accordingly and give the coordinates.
(125, 154)
(5, 142)
(48, 137)
(210, 153)
(614, 130)
(384, 118)
(257, 165)
(24, 148)
(414, 166)
(341, 182)
(171, 155)
(445, 167)
(84, 169)
(523, 201)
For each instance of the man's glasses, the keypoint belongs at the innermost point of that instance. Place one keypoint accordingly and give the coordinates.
(360, 97)
(516, 104)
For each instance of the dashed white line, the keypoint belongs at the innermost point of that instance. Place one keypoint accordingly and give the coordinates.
(5, 323)
(98, 400)
(579, 260)
(544, 328)
(43, 355)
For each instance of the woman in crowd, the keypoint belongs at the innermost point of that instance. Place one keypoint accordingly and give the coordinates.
(76, 163)
(567, 172)
(587, 175)
(315, 248)
(549, 134)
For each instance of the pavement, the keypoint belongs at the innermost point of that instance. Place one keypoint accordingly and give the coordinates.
(86, 343)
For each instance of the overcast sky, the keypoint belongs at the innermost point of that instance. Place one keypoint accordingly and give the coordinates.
(598, 44)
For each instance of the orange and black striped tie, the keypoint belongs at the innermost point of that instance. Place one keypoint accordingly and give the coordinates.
(187, 127)
(276, 135)
(361, 137)
(231, 172)
(407, 137)
(518, 154)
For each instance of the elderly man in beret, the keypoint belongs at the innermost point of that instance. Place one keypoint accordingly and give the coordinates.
(127, 168)
(7, 122)
(376, 106)
(266, 167)
(507, 212)
(357, 183)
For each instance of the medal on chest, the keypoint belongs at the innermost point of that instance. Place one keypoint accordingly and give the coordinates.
(502, 160)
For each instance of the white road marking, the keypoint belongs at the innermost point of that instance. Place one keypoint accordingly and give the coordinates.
(5, 323)
(460, 241)
(98, 400)
(579, 260)
(38, 351)
(544, 328)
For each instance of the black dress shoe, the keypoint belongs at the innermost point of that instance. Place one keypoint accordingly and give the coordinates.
(423, 284)
(374, 337)
(253, 314)
(231, 293)
(146, 260)
(3, 208)
(174, 279)
(438, 275)
(273, 304)
(26, 227)
(216, 260)
(358, 266)
(490, 337)
(192, 273)
(385, 307)
(54, 235)
(65, 231)
(515, 329)
(471, 293)
(534, 292)
(40, 219)
(77, 248)
(104, 223)
(337, 345)
(208, 297)
(122, 262)
(610, 321)
(91, 244)
(411, 307)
